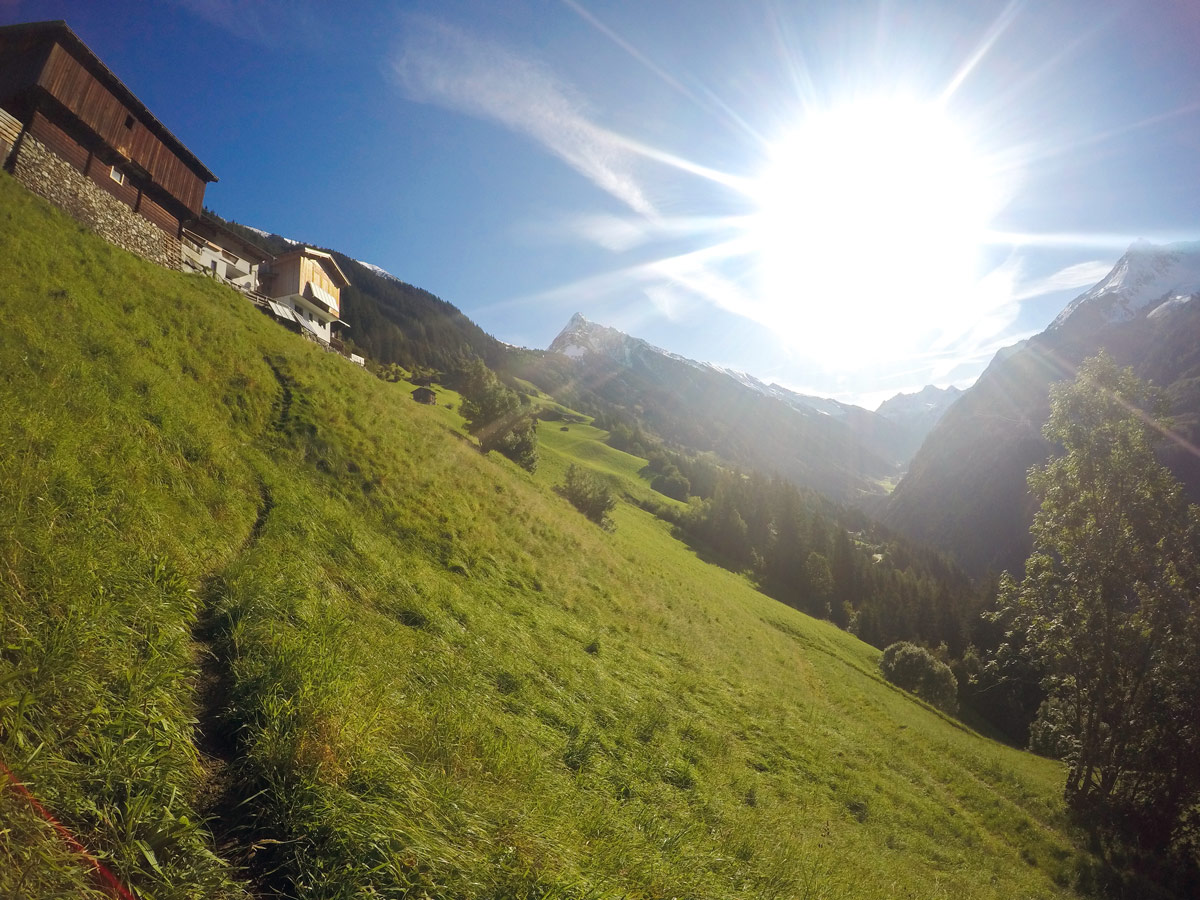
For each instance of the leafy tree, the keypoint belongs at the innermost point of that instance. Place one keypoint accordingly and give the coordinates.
(589, 494)
(1108, 607)
(499, 418)
(517, 441)
(672, 483)
(917, 670)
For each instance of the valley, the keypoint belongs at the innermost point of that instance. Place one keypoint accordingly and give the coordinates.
(436, 677)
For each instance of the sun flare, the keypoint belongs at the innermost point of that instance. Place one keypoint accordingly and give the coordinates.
(870, 221)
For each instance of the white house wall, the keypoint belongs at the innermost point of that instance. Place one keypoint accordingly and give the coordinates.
(229, 267)
(309, 315)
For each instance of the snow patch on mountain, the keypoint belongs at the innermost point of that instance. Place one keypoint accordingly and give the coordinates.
(1171, 303)
(1144, 277)
(573, 350)
(268, 234)
(378, 270)
(800, 402)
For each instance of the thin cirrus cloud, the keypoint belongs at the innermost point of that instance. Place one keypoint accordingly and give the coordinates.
(990, 322)
(265, 22)
(443, 66)
(993, 329)
(1080, 275)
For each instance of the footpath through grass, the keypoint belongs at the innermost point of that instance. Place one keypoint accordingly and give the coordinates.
(268, 625)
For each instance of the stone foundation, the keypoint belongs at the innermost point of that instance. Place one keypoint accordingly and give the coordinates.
(62, 184)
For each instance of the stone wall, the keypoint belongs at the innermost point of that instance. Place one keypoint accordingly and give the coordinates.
(65, 186)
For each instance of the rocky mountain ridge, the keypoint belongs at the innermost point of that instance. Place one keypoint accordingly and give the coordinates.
(965, 489)
(843, 450)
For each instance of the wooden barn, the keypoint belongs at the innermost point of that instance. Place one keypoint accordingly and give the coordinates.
(57, 98)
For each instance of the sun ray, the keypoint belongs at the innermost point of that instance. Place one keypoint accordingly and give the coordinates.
(737, 182)
(998, 27)
(804, 87)
(1078, 240)
(1016, 92)
(629, 48)
(1102, 137)
(707, 100)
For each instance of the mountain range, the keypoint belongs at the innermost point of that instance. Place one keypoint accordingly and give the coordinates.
(965, 489)
(844, 451)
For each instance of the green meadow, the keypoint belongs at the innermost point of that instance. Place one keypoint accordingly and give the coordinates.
(269, 627)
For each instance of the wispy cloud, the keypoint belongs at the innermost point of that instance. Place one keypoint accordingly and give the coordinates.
(986, 323)
(1080, 275)
(441, 65)
(972, 355)
(267, 22)
(619, 234)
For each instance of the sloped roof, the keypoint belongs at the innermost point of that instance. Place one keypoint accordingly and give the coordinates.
(59, 31)
(281, 311)
(328, 263)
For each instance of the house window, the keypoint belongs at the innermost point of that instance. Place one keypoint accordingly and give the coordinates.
(116, 175)
(129, 121)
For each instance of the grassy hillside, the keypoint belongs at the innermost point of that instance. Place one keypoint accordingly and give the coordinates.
(268, 625)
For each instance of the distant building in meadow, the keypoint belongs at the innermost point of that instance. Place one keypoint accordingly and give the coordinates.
(424, 395)
(71, 131)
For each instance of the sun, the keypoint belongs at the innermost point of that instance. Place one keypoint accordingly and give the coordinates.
(869, 226)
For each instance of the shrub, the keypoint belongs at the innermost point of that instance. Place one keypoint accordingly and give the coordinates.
(501, 419)
(588, 494)
(917, 670)
(672, 483)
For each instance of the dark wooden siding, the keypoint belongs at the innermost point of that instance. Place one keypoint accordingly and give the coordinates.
(20, 62)
(58, 141)
(100, 172)
(65, 79)
(159, 216)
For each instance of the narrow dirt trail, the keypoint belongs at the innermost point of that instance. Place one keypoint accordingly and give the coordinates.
(222, 793)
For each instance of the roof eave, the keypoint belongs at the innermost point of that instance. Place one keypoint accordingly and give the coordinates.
(93, 63)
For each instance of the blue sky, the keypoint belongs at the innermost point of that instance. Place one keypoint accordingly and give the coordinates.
(641, 163)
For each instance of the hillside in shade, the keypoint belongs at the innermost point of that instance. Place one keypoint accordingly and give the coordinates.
(965, 490)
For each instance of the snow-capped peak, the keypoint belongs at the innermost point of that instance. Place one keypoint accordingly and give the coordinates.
(581, 337)
(1145, 276)
(378, 270)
